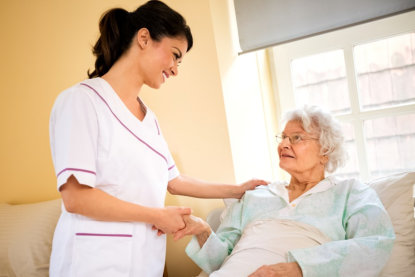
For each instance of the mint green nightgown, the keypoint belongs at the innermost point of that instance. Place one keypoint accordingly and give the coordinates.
(348, 212)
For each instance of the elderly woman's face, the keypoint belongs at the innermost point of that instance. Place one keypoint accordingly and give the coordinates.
(301, 157)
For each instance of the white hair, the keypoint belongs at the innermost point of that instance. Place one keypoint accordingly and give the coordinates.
(321, 123)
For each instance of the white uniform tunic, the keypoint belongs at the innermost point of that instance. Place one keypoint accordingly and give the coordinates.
(98, 140)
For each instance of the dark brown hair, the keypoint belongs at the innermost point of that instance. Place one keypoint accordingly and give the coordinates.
(118, 27)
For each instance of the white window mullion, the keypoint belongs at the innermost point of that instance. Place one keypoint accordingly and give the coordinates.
(361, 149)
(355, 107)
(389, 111)
(351, 80)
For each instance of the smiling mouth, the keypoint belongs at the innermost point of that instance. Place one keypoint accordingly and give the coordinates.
(165, 75)
(286, 156)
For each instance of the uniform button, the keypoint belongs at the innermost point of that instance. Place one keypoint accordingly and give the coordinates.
(293, 205)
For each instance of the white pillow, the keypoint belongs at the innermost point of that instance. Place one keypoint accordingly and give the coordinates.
(396, 193)
(26, 233)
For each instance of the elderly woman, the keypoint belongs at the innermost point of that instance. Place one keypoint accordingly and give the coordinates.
(312, 226)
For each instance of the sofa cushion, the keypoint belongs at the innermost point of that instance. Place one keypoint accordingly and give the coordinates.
(396, 193)
(26, 233)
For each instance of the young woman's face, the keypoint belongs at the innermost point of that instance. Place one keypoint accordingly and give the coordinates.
(164, 57)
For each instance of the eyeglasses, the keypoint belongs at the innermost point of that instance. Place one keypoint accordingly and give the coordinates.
(294, 138)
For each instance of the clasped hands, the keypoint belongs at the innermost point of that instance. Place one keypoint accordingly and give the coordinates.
(196, 226)
(179, 221)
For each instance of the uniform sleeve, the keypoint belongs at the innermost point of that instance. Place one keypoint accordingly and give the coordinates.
(73, 137)
(218, 246)
(366, 248)
(173, 170)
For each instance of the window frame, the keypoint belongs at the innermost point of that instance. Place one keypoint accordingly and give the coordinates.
(281, 56)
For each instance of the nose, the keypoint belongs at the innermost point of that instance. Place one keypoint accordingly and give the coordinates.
(174, 70)
(285, 142)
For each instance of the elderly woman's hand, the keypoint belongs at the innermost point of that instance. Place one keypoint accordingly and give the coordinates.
(170, 219)
(249, 185)
(194, 226)
(277, 270)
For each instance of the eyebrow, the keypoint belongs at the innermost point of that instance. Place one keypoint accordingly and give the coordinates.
(296, 133)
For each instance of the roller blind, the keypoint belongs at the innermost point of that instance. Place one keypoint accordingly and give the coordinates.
(264, 23)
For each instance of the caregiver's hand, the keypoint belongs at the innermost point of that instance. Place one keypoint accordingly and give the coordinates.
(170, 219)
(250, 185)
(194, 226)
(278, 270)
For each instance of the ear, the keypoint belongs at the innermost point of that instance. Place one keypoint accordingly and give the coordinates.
(143, 37)
(324, 160)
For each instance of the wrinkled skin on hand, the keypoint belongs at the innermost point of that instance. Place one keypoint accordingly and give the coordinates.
(194, 226)
(278, 270)
(170, 219)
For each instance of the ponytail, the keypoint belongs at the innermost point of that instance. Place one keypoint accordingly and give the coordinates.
(116, 35)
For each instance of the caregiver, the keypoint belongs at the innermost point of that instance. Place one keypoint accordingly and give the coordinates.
(112, 163)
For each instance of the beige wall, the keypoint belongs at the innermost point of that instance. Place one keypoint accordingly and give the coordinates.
(45, 48)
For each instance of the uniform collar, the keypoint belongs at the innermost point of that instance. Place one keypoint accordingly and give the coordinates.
(113, 104)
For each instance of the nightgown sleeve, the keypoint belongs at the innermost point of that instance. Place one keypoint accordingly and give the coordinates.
(220, 244)
(366, 247)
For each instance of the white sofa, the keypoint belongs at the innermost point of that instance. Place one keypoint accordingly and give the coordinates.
(26, 230)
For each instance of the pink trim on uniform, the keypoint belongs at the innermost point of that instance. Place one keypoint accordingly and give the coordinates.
(75, 169)
(172, 166)
(104, 235)
(145, 143)
(158, 130)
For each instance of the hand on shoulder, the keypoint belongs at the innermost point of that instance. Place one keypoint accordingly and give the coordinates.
(250, 185)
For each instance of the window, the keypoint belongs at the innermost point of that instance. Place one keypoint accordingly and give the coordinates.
(365, 75)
